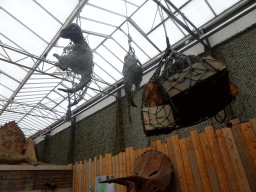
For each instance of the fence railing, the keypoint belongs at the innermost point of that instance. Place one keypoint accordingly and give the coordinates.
(215, 160)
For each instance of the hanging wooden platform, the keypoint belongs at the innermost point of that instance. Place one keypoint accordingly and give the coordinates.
(216, 160)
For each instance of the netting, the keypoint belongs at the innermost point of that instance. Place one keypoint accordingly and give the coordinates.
(183, 91)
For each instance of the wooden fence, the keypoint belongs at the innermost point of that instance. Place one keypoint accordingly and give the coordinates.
(216, 160)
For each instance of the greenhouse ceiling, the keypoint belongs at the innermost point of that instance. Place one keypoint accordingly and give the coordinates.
(30, 28)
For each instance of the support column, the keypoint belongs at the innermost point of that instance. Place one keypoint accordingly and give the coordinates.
(71, 152)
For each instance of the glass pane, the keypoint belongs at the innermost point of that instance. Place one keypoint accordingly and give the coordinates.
(137, 2)
(93, 40)
(115, 48)
(108, 68)
(149, 11)
(100, 15)
(141, 41)
(8, 82)
(13, 70)
(198, 12)
(103, 75)
(15, 31)
(35, 18)
(215, 4)
(111, 58)
(5, 92)
(96, 27)
(65, 8)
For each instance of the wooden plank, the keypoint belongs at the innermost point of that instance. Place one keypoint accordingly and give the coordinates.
(104, 165)
(101, 165)
(175, 185)
(213, 143)
(117, 172)
(128, 160)
(132, 156)
(114, 170)
(194, 165)
(124, 164)
(61, 183)
(34, 167)
(187, 167)
(16, 185)
(209, 162)
(181, 171)
(8, 175)
(236, 160)
(107, 164)
(200, 161)
(80, 176)
(110, 164)
(253, 123)
(233, 182)
(120, 157)
(86, 176)
(90, 173)
(244, 152)
(153, 145)
(250, 139)
(160, 147)
(69, 189)
(51, 174)
(94, 171)
(98, 167)
(75, 177)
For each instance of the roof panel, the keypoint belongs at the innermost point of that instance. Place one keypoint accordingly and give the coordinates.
(8, 82)
(96, 27)
(41, 21)
(224, 5)
(92, 40)
(118, 51)
(15, 31)
(5, 92)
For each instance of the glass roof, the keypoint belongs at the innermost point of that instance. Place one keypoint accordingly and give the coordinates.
(31, 27)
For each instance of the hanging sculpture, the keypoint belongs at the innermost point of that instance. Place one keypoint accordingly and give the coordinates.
(188, 89)
(12, 145)
(152, 172)
(79, 58)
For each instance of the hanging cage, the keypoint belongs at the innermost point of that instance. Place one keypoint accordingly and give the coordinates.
(184, 91)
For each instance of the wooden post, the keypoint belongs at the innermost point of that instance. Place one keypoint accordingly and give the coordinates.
(132, 156)
(118, 187)
(128, 161)
(209, 162)
(187, 166)
(213, 143)
(236, 160)
(250, 139)
(86, 176)
(253, 123)
(244, 152)
(233, 182)
(181, 171)
(94, 172)
(114, 170)
(200, 161)
(90, 173)
(101, 165)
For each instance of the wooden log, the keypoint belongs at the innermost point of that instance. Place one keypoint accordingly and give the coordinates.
(244, 152)
(200, 161)
(187, 166)
(117, 172)
(213, 143)
(16, 185)
(153, 145)
(181, 171)
(60, 182)
(253, 123)
(209, 162)
(175, 185)
(194, 165)
(128, 160)
(233, 182)
(101, 165)
(17, 175)
(132, 156)
(250, 139)
(236, 160)
(34, 168)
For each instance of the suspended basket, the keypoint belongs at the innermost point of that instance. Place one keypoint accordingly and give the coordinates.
(184, 91)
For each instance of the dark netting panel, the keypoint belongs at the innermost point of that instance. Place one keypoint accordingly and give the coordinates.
(184, 91)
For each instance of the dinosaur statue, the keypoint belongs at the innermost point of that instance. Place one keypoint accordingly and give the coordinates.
(132, 76)
(152, 172)
(12, 145)
(79, 59)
